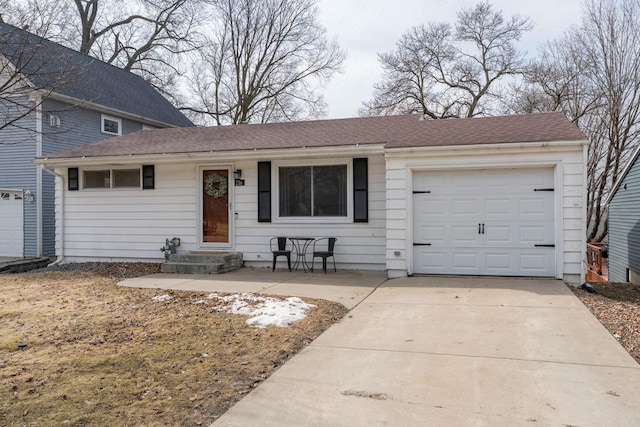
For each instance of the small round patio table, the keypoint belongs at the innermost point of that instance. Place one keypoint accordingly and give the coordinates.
(300, 247)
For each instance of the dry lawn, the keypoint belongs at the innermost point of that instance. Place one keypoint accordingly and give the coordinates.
(98, 354)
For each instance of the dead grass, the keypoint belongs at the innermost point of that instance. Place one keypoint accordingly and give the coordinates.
(97, 354)
(617, 307)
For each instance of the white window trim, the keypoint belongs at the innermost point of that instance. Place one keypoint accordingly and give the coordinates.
(111, 187)
(114, 119)
(275, 191)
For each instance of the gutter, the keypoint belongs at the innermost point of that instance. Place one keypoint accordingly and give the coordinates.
(231, 155)
(60, 258)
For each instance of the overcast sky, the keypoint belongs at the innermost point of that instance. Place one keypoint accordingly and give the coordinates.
(367, 27)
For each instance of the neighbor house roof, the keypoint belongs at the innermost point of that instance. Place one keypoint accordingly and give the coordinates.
(625, 171)
(67, 72)
(390, 131)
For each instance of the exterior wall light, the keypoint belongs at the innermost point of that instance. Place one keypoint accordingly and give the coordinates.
(237, 175)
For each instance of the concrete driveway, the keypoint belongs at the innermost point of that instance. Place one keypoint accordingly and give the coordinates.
(454, 352)
(436, 351)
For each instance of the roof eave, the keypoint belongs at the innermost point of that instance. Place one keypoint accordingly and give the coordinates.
(566, 144)
(114, 111)
(234, 155)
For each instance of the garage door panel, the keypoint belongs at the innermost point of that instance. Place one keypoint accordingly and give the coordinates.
(465, 261)
(501, 206)
(536, 262)
(502, 234)
(536, 234)
(466, 207)
(433, 261)
(431, 234)
(499, 263)
(515, 218)
(464, 234)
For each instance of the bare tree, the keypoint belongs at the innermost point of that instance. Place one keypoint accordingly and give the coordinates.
(593, 74)
(262, 62)
(144, 36)
(29, 72)
(443, 71)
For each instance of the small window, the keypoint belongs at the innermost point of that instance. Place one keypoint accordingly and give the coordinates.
(114, 178)
(97, 179)
(313, 191)
(54, 121)
(111, 125)
(126, 178)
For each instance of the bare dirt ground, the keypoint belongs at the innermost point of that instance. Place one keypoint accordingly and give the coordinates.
(617, 307)
(97, 354)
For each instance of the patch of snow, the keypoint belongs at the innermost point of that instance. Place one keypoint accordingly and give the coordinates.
(264, 311)
(161, 298)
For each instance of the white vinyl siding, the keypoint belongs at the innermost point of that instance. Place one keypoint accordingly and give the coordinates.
(121, 225)
(124, 225)
(566, 160)
(359, 245)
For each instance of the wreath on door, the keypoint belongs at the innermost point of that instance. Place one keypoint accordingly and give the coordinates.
(215, 185)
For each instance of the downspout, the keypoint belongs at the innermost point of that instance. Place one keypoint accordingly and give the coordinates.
(59, 258)
(39, 191)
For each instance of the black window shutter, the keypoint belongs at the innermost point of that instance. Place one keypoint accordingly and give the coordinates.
(73, 179)
(264, 191)
(148, 177)
(360, 190)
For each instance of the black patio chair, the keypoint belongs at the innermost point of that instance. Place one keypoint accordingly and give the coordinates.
(318, 245)
(280, 247)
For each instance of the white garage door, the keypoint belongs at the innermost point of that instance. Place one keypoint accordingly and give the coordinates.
(484, 222)
(11, 228)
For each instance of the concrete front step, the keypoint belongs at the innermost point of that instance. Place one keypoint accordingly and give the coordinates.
(203, 263)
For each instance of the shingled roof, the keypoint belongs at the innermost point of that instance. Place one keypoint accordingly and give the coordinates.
(51, 66)
(390, 131)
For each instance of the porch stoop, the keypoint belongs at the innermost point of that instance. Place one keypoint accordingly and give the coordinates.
(203, 263)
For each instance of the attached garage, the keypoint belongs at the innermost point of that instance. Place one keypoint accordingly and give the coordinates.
(11, 224)
(484, 222)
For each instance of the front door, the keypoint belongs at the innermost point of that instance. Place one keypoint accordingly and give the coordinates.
(215, 206)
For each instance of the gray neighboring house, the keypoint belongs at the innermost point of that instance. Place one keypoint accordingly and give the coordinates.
(624, 224)
(61, 99)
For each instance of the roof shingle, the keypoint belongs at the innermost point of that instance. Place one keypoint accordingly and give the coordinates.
(392, 131)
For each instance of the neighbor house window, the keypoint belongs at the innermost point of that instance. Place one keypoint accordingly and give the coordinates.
(111, 178)
(313, 191)
(111, 125)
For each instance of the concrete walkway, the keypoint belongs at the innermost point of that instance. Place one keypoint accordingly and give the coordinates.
(446, 351)
(348, 288)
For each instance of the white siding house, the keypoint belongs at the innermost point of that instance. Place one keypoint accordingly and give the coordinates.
(484, 196)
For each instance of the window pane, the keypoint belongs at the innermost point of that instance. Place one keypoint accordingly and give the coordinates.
(97, 179)
(330, 190)
(111, 126)
(126, 178)
(295, 191)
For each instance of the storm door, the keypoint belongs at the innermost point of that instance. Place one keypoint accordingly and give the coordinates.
(215, 206)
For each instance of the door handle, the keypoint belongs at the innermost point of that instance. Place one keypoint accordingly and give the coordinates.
(483, 228)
